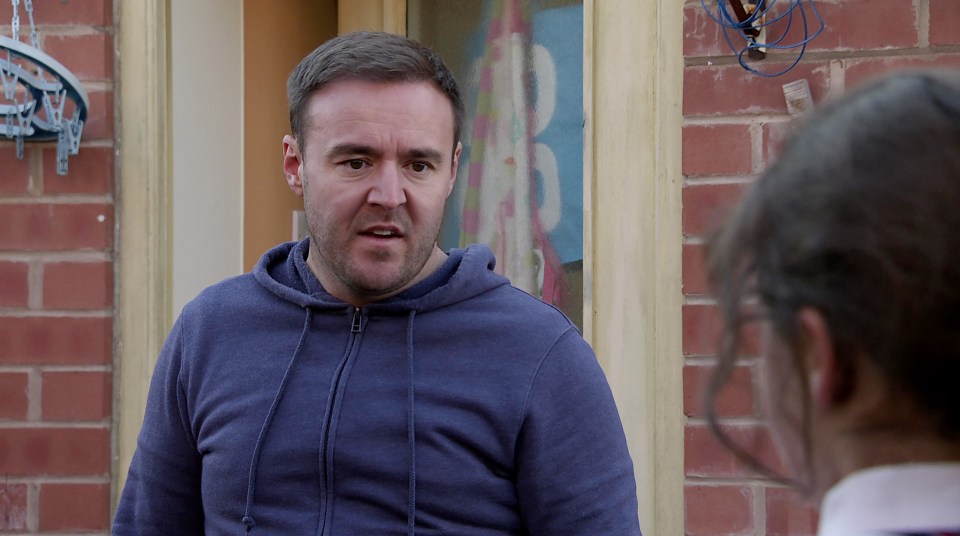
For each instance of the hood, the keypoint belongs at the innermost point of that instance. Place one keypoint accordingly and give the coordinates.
(466, 273)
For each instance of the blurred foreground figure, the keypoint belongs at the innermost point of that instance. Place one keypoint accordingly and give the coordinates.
(846, 255)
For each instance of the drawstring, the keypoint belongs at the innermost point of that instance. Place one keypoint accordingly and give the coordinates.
(248, 520)
(411, 435)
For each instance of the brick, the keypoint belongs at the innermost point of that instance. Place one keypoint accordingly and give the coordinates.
(702, 327)
(14, 286)
(76, 396)
(734, 400)
(705, 37)
(694, 270)
(74, 507)
(90, 172)
(13, 395)
(716, 150)
(54, 451)
(56, 340)
(713, 510)
(706, 205)
(87, 56)
(849, 25)
(788, 514)
(724, 90)
(785, 32)
(15, 177)
(861, 25)
(13, 507)
(38, 227)
(78, 285)
(729, 89)
(48, 12)
(99, 124)
(702, 36)
(775, 137)
(944, 22)
(860, 71)
(705, 456)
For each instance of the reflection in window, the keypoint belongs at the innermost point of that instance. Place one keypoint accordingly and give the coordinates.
(520, 185)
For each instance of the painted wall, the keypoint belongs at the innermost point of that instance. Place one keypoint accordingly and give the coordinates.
(207, 117)
(277, 35)
(734, 124)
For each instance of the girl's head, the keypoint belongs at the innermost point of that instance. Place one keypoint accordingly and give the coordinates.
(847, 252)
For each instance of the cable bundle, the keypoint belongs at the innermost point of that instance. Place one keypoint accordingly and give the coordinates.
(748, 22)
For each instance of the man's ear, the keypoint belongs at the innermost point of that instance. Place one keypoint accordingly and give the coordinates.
(454, 167)
(827, 378)
(293, 165)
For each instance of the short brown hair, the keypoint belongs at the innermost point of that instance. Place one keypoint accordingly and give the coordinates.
(372, 57)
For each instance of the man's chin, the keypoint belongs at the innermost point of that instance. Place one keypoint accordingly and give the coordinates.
(381, 285)
(380, 278)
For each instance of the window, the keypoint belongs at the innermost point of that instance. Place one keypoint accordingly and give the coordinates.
(520, 183)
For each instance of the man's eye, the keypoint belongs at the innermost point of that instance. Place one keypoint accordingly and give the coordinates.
(355, 164)
(419, 167)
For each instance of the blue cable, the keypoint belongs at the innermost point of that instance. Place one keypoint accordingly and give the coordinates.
(728, 22)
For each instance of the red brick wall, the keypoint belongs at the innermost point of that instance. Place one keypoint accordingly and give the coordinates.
(733, 124)
(56, 295)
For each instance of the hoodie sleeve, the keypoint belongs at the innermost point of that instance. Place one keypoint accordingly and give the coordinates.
(575, 476)
(162, 492)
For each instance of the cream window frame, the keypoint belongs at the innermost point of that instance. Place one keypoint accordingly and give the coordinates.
(633, 77)
(143, 230)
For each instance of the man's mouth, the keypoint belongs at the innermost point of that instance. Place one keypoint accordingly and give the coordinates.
(383, 233)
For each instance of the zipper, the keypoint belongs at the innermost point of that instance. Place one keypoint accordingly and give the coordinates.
(357, 320)
(356, 327)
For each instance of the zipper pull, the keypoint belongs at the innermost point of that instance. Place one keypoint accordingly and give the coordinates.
(355, 327)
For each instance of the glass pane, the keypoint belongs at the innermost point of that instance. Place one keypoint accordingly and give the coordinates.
(520, 184)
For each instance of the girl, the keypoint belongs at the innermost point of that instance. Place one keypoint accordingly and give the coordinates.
(846, 254)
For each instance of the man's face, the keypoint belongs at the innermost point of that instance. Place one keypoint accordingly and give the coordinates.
(375, 171)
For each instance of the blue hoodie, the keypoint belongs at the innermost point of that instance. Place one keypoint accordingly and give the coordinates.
(459, 406)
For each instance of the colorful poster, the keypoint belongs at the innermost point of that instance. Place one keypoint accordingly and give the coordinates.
(520, 184)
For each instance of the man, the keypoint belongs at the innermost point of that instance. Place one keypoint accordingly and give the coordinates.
(363, 381)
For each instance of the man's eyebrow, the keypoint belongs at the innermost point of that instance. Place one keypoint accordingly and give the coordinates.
(359, 149)
(430, 155)
(351, 149)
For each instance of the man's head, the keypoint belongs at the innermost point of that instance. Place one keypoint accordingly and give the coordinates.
(378, 115)
(375, 57)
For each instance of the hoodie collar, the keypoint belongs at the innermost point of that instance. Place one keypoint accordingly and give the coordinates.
(466, 273)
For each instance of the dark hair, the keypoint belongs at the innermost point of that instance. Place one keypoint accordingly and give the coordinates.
(373, 57)
(859, 219)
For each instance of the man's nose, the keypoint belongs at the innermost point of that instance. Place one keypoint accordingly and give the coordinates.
(388, 190)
